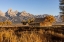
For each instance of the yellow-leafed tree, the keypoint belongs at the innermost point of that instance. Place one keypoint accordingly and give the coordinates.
(7, 22)
(50, 19)
(31, 20)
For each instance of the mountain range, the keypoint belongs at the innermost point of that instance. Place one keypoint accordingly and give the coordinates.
(17, 17)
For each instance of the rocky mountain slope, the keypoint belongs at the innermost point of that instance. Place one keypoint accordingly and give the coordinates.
(17, 17)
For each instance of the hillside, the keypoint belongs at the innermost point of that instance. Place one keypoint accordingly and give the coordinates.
(17, 17)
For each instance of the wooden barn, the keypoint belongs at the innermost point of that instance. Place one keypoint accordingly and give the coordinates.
(40, 22)
(36, 22)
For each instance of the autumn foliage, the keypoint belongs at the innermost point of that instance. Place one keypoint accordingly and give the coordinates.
(31, 20)
(50, 19)
(25, 36)
(7, 22)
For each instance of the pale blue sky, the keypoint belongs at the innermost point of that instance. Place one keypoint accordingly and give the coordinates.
(35, 7)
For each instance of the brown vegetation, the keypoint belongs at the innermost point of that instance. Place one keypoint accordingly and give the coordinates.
(7, 22)
(31, 20)
(17, 35)
(48, 21)
(45, 24)
(24, 22)
(25, 36)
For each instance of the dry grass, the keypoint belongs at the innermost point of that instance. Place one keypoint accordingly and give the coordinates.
(25, 36)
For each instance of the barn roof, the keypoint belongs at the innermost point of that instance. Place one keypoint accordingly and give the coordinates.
(39, 19)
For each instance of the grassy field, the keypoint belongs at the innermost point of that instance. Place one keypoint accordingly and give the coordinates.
(22, 34)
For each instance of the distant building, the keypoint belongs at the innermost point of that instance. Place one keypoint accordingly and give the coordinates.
(40, 22)
(37, 22)
(45, 24)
